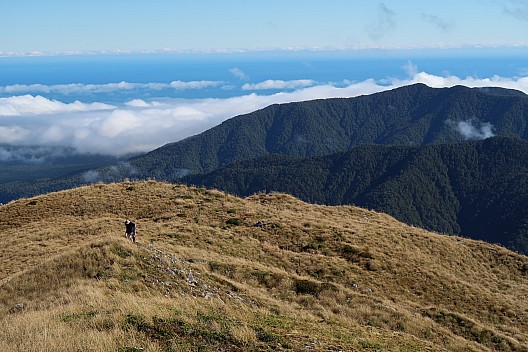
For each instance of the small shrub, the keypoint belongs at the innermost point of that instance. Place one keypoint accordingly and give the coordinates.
(266, 336)
(76, 316)
(350, 250)
(354, 254)
(234, 221)
(268, 279)
(370, 345)
(372, 265)
(221, 268)
(307, 287)
(524, 268)
(121, 252)
(135, 321)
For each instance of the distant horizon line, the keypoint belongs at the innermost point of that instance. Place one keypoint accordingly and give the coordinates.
(292, 49)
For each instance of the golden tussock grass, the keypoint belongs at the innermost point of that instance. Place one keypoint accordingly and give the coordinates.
(203, 277)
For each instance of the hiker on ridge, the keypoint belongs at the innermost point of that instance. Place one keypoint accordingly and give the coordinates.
(130, 232)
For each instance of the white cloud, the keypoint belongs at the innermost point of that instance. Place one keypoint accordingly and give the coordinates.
(80, 88)
(411, 69)
(138, 103)
(142, 125)
(91, 176)
(194, 84)
(112, 173)
(279, 84)
(238, 73)
(450, 81)
(13, 134)
(472, 129)
(28, 104)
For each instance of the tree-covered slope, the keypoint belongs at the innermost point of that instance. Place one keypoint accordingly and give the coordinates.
(476, 189)
(410, 115)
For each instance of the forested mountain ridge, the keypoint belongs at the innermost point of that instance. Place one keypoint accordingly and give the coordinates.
(476, 189)
(410, 115)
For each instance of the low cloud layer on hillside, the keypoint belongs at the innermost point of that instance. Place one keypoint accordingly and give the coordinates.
(142, 125)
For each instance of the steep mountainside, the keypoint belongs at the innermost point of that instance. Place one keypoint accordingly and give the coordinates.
(476, 189)
(411, 115)
(203, 277)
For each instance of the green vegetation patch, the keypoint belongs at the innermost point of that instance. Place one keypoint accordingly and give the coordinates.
(121, 251)
(307, 287)
(354, 254)
(234, 221)
(66, 318)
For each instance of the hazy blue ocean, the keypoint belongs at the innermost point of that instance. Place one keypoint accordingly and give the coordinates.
(321, 67)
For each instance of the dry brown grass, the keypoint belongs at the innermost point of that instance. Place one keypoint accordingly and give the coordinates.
(313, 277)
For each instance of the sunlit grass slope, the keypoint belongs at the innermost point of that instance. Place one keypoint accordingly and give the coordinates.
(203, 277)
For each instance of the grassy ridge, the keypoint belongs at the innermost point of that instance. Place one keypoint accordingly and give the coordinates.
(204, 277)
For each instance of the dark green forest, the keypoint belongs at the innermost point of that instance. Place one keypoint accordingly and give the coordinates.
(411, 115)
(30, 170)
(476, 189)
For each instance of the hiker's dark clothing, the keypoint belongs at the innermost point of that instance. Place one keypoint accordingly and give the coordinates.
(130, 227)
(131, 231)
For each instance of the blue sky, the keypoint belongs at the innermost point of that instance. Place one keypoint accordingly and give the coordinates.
(121, 104)
(207, 25)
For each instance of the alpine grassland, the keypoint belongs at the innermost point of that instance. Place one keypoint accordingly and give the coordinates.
(213, 272)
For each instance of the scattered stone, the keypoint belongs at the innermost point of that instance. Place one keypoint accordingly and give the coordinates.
(17, 308)
(191, 279)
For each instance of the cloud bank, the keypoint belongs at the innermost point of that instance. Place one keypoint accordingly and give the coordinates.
(279, 84)
(111, 173)
(36, 105)
(80, 88)
(142, 125)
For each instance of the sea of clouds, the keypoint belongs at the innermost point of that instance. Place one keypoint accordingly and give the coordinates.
(141, 125)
